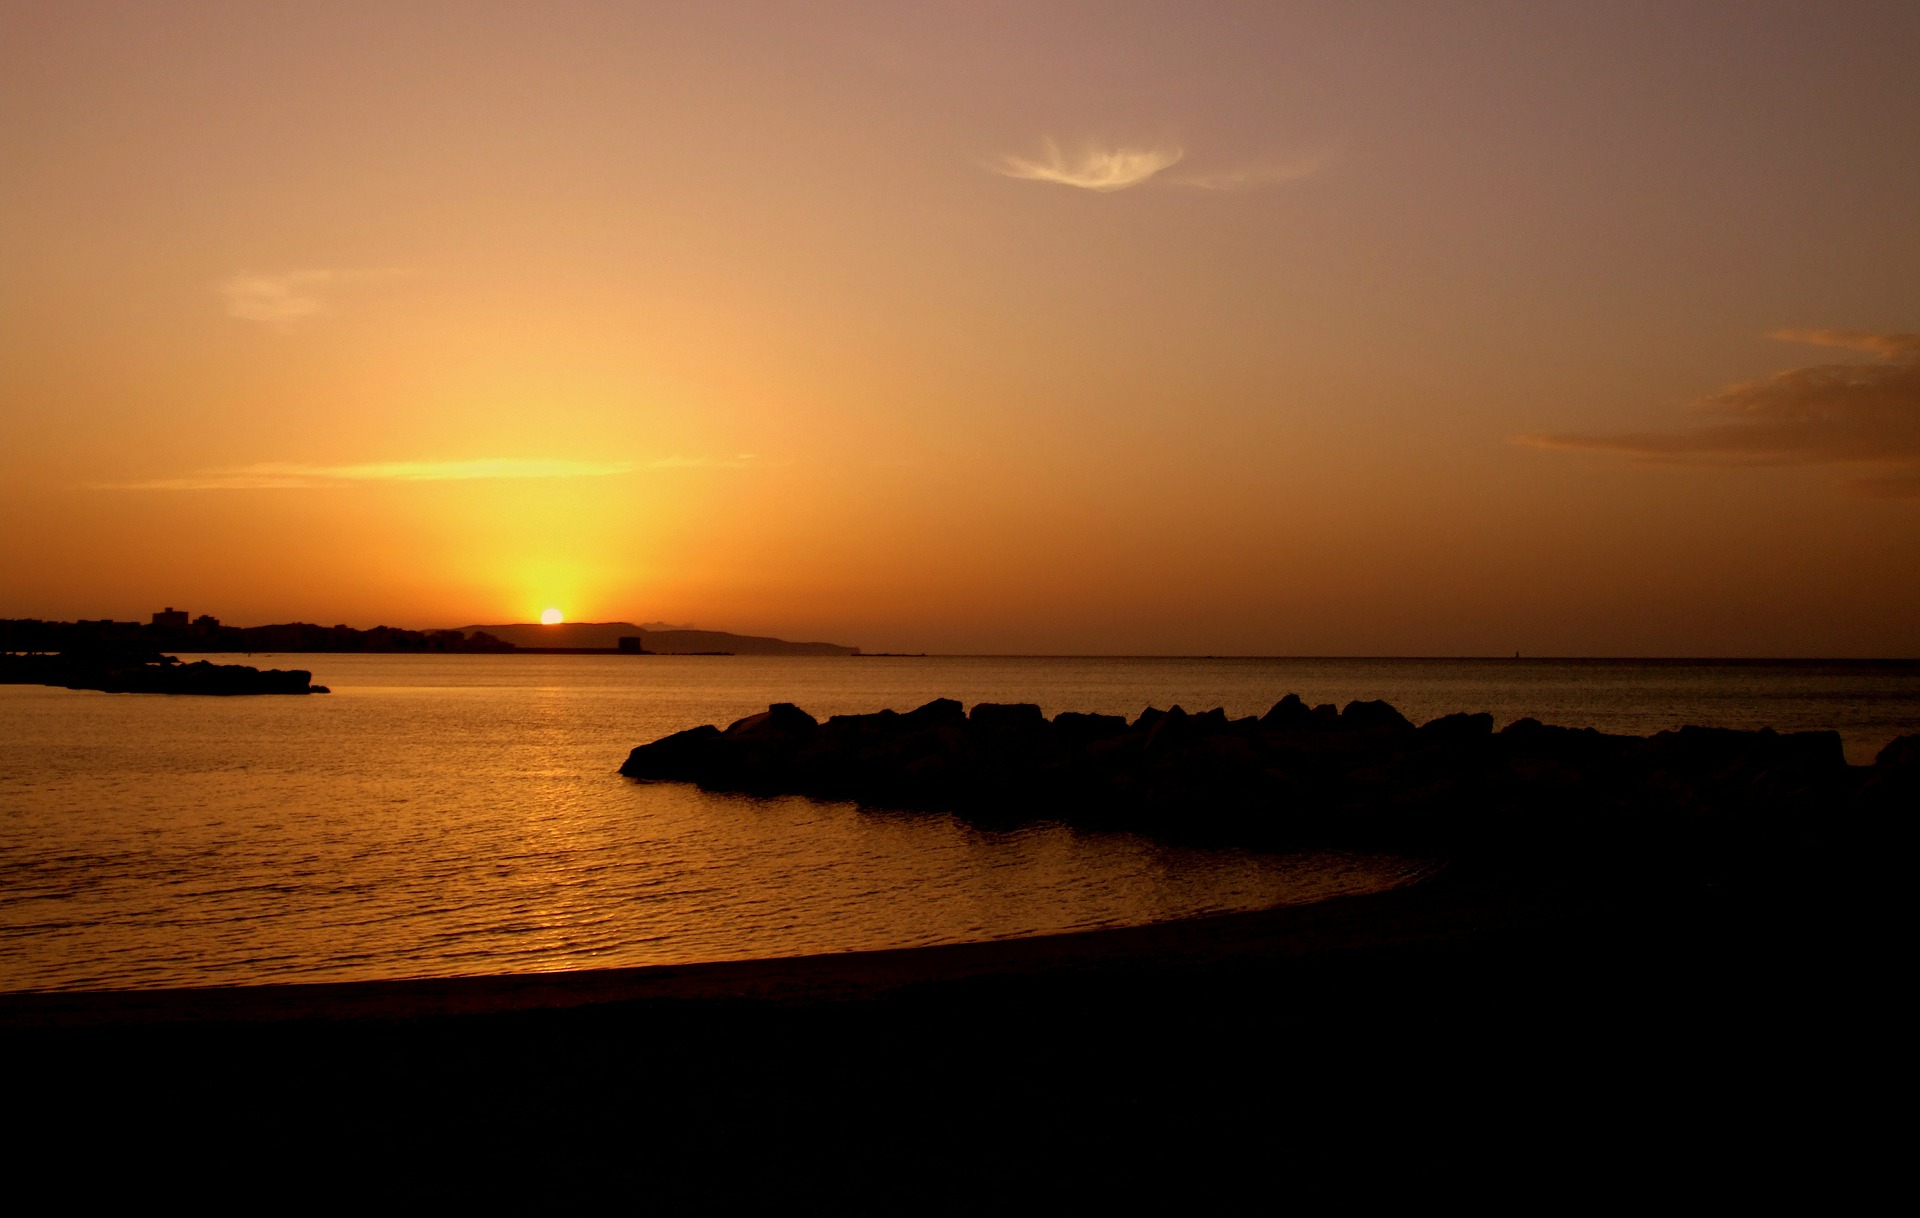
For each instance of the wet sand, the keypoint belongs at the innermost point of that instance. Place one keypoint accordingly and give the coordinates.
(1467, 1028)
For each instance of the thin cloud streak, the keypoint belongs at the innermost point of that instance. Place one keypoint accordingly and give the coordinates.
(1888, 346)
(1825, 414)
(1255, 175)
(282, 475)
(277, 475)
(741, 461)
(284, 300)
(1093, 168)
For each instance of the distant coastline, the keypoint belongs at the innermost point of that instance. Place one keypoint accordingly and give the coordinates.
(609, 637)
(174, 631)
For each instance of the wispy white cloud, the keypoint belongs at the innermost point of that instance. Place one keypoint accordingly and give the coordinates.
(284, 300)
(1092, 168)
(279, 475)
(1096, 167)
(1825, 414)
(1256, 174)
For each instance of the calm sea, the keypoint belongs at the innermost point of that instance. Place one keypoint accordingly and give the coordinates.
(452, 815)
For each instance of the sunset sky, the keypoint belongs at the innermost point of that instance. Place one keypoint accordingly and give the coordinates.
(1431, 329)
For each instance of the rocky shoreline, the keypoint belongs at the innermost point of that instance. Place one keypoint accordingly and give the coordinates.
(1361, 776)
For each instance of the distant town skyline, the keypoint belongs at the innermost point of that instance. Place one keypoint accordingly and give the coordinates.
(1075, 329)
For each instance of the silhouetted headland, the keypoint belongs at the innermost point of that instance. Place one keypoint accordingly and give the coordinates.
(121, 673)
(653, 640)
(172, 630)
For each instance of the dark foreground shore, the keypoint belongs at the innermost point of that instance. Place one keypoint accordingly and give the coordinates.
(1479, 1036)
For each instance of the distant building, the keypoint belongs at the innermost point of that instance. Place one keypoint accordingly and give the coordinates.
(170, 619)
(630, 643)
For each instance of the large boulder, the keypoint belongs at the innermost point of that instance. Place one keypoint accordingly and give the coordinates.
(1211, 722)
(1376, 716)
(1169, 730)
(1012, 717)
(940, 710)
(1459, 728)
(682, 757)
(1901, 754)
(781, 721)
(1289, 714)
(1730, 754)
(1893, 782)
(1073, 727)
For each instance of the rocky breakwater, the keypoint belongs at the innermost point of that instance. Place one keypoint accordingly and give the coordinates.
(1362, 776)
(153, 675)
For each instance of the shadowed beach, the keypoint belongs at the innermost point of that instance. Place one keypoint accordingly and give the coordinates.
(1442, 1028)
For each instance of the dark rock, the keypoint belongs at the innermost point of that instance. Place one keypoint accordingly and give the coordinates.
(940, 710)
(1700, 748)
(1074, 727)
(1288, 713)
(889, 756)
(1759, 762)
(683, 756)
(1818, 751)
(1170, 730)
(1456, 728)
(781, 720)
(1530, 737)
(1007, 717)
(1363, 778)
(1893, 783)
(1374, 716)
(1901, 753)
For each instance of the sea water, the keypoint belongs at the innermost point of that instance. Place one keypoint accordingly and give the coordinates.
(449, 815)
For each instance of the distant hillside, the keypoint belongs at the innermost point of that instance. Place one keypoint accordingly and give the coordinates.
(661, 642)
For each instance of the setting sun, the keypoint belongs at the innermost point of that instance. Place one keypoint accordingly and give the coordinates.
(551, 617)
